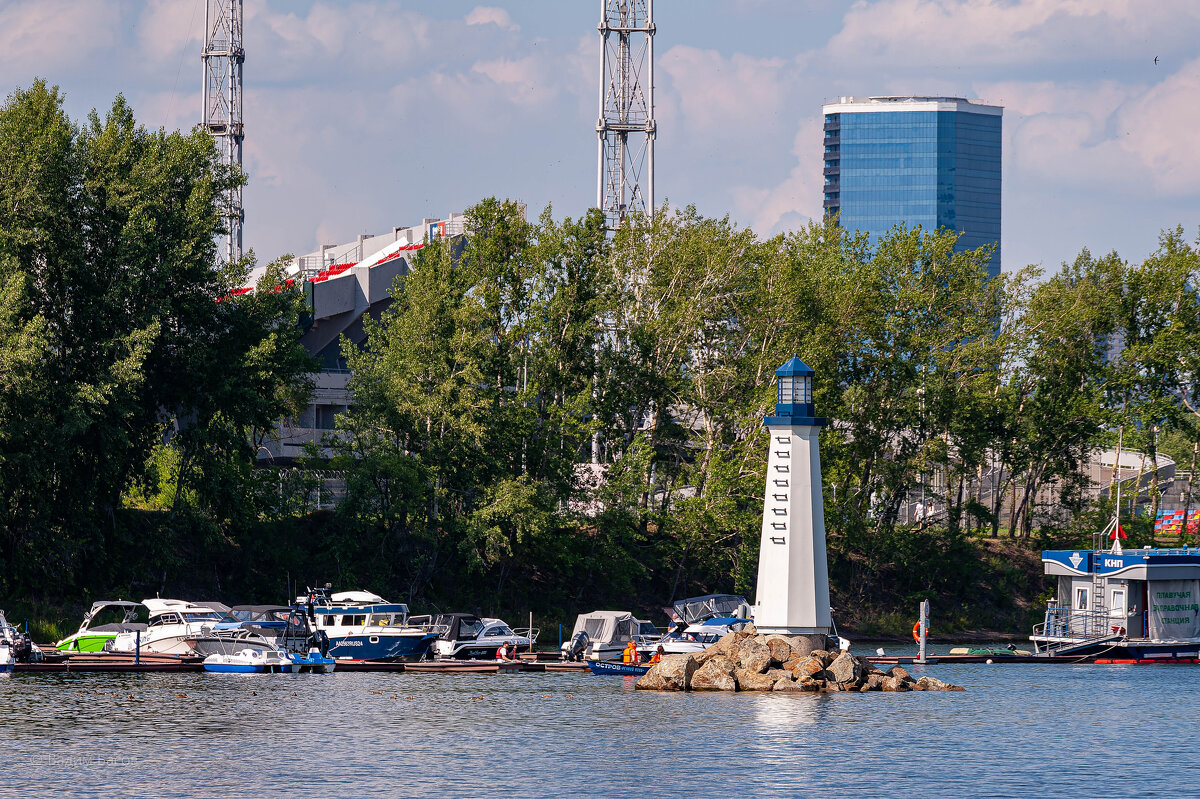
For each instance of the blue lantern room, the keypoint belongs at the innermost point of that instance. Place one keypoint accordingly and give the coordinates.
(794, 401)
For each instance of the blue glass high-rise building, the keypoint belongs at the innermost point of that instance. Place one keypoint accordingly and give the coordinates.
(928, 161)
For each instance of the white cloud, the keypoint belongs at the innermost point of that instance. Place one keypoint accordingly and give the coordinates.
(793, 201)
(905, 34)
(525, 81)
(488, 15)
(724, 96)
(1152, 124)
(168, 30)
(53, 34)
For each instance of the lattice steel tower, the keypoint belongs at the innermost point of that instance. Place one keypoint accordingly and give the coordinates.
(626, 128)
(223, 56)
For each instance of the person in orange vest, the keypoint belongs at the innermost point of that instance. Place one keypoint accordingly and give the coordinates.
(630, 655)
(502, 652)
(657, 656)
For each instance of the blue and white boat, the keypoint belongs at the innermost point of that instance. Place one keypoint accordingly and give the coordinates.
(363, 626)
(249, 661)
(614, 667)
(1139, 604)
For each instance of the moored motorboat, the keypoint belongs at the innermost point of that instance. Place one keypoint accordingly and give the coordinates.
(174, 628)
(616, 667)
(93, 637)
(603, 634)
(249, 661)
(695, 637)
(360, 625)
(465, 636)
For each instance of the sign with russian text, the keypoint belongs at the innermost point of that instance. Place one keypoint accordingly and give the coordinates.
(1174, 609)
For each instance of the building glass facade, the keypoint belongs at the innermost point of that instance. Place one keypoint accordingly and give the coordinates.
(933, 162)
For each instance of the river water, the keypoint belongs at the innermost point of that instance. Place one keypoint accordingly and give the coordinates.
(1018, 730)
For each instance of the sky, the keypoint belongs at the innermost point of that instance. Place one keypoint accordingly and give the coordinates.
(366, 115)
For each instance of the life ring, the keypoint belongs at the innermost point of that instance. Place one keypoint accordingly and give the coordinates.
(917, 632)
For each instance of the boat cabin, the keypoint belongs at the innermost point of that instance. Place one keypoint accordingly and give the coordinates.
(1140, 599)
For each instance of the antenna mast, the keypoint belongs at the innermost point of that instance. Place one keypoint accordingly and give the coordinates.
(625, 174)
(222, 56)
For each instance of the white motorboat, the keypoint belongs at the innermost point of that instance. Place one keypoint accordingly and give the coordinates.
(695, 637)
(249, 661)
(174, 628)
(603, 634)
(464, 636)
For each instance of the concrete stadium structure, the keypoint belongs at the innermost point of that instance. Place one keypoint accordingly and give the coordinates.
(343, 284)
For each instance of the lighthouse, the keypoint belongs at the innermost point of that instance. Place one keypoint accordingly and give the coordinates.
(793, 572)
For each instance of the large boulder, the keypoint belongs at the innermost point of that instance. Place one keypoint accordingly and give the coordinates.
(895, 684)
(753, 655)
(810, 684)
(820, 654)
(845, 669)
(934, 684)
(715, 675)
(781, 648)
(874, 681)
(900, 674)
(809, 667)
(790, 686)
(672, 673)
(780, 674)
(749, 680)
(727, 644)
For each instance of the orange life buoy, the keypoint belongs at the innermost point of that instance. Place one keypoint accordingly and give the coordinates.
(917, 632)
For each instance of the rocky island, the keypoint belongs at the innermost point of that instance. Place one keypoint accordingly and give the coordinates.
(747, 661)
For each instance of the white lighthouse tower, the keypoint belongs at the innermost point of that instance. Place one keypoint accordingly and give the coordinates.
(793, 572)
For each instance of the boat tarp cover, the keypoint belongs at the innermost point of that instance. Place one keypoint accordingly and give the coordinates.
(607, 625)
(698, 608)
(459, 626)
(1174, 613)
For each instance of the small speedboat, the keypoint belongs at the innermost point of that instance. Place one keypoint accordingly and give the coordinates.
(249, 661)
(616, 667)
(312, 662)
(96, 637)
(464, 636)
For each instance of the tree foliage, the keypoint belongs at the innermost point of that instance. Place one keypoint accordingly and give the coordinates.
(113, 338)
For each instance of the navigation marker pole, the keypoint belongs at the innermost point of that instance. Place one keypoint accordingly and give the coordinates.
(924, 622)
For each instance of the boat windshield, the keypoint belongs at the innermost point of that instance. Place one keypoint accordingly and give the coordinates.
(213, 617)
(470, 629)
(502, 629)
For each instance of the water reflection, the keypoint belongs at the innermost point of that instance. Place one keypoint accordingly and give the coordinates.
(1017, 730)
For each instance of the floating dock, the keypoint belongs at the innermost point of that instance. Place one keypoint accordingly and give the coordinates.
(125, 663)
(108, 662)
